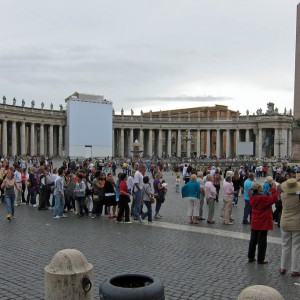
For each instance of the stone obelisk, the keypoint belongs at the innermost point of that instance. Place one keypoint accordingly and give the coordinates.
(296, 130)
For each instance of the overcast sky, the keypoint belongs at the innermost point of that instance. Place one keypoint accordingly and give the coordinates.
(150, 54)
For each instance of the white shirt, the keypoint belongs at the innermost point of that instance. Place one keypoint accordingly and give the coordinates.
(138, 178)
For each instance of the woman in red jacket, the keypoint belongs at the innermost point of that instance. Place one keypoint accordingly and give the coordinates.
(261, 221)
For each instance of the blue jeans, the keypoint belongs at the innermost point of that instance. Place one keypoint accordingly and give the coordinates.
(32, 197)
(137, 204)
(247, 211)
(10, 204)
(148, 212)
(59, 205)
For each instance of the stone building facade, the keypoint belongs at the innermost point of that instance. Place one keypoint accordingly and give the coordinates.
(210, 131)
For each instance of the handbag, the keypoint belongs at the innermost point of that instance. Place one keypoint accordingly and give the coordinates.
(152, 199)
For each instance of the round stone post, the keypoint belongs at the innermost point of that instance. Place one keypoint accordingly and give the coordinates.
(69, 276)
(259, 292)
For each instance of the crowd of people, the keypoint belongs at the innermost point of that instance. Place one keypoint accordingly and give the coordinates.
(93, 190)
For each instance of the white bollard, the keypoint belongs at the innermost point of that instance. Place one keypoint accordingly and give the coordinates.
(69, 276)
(259, 292)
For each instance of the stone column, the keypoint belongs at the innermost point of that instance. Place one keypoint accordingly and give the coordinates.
(247, 135)
(150, 148)
(188, 143)
(141, 141)
(218, 143)
(60, 140)
(179, 143)
(159, 143)
(23, 138)
(122, 143)
(51, 140)
(208, 152)
(290, 149)
(42, 139)
(198, 143)
(284, 149)
(130, 142)
(169, 150)
(237, 140)
(4, 138)
(259, 143)
(13, 138)
(228, 143)
(276, 145)
(32, 139)
(296, 130)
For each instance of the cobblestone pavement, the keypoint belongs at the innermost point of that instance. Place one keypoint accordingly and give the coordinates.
(194, 261)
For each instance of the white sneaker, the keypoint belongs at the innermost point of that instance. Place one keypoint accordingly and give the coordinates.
(56, 217)
(64, 216)
(34, 205)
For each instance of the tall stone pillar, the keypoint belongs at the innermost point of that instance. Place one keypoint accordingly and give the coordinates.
(42, 139)
(32, 139)
(169, 143)
(13, 138)
(247, 135)
(218, 143)
(150, 144)
(260, 143)
(122, 143)
(60, 140)
(159, 143)
(4, 138)
(285, 144)
(208, 151)
(51, 140)
(130, 142)
(276, 144)
(179, 143)
(141, 141)
(198, 143)
(188, 143)
(228, 143)
(296, 130)
(23, 138)
(290, 145)
(237, 140)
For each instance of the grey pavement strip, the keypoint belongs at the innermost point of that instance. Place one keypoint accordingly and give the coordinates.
(212, 231)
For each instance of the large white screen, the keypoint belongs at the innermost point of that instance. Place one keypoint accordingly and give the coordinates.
(244, 148)
(89, 124)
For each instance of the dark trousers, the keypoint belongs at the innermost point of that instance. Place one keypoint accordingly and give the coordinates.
(23, 192)
(82, 207)
(123, 208)
(247, 211)
(217, 186)
(43, 195)
(259, 238)
(97, 207)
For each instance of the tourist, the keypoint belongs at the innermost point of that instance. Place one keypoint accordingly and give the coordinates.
(138, 186)
(290, 227)
(98, 195)
(191, 191)
(110, 196)
(159, 194)
(18, 178)
(147, 195)
(247, 192)
(202, 195)
(261, 221)
(58, 211)
(210, 196)
(217, 180)
(124, 199)
(32, 187)
(9, 183)
(237, 182)
(267, 184)
(228, 191)
(80, 196)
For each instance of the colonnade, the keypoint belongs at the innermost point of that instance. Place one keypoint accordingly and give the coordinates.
(222, 143)
(22, 138)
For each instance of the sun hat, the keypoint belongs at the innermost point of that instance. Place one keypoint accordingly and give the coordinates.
(255, 186)
(290, 186)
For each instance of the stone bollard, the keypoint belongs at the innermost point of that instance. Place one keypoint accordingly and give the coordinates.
(259, 292)
(69, 276)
